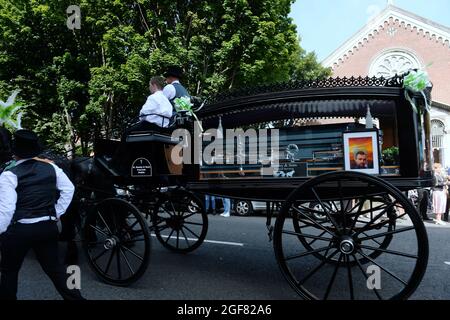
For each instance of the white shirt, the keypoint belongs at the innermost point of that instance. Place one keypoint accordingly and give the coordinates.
(170, 91)
(157, 103)
(8, 196)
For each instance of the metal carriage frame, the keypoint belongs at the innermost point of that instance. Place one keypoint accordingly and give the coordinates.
(354, 208)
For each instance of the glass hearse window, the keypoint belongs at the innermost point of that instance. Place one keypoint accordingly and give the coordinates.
(310, 140)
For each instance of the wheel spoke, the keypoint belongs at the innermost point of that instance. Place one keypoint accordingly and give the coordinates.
(104, 222)
(110, 260)
(350, 278)
(364, 233)
(372, 209)
(314, 240)
(91, 243)
(359, 204)
(164, 208)
(100, 255)
(376, 226)
(382, 268)
(193, 223)
(307, 235)
(312, 272)
(304, 254)
(330, 284)
(132, 226)
(99, 230)
(192, 232)
(159, 229)
(126, 261)
(387, 233)
(311, 210)
(160, 220)
(184, 235)
(176, 212)
(314, 222)
(133, 253)
(119, 267)
(369, 224)
(189, 215)
(342, 205)
(358, 212)
(307, 224)
(412, 256)
(325, 209)
(178, 238)
(366, 276)
(168, 238)
(346, 206)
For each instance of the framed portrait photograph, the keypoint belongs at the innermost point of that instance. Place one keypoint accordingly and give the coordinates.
(361, 151)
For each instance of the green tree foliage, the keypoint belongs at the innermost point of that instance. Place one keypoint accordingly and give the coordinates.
(77, 84)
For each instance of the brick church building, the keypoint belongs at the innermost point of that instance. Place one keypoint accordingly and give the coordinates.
(393, 42)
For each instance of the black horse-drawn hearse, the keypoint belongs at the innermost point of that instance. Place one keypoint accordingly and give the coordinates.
(370, 243)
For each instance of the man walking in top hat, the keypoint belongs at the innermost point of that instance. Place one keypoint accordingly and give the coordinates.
(174, 89)
(33, 196)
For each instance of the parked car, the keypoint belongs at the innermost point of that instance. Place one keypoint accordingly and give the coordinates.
(247, 207)
(239, 207)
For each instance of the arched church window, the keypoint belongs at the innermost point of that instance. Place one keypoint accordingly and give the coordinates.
(392, 62)
(437, 134)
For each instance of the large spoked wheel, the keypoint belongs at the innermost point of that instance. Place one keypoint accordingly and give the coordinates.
(366, 209)
(372, 244)
(180, 221)
(117, 242)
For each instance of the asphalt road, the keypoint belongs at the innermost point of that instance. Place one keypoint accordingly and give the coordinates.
(243, 269)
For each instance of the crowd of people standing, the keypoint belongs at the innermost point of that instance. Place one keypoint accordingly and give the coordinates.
(437, 198)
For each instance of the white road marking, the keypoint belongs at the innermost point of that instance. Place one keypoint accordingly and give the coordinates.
(238, 244)
(447, 263)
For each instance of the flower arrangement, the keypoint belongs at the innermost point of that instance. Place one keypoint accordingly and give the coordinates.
(416, 81)
(391, 156)
(185, 104)
(9, 114)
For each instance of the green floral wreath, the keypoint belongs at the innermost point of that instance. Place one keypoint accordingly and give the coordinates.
(185, 104)
(417, 81)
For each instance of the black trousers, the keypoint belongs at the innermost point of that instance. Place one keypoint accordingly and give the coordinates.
(42, 237)
(423, 199)
(140, 126)
(448, 207)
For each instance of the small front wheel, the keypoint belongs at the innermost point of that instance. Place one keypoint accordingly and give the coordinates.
(117, 241)
(180, 221)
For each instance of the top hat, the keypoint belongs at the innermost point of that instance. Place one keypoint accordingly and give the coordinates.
(25, 144)
(174, 71)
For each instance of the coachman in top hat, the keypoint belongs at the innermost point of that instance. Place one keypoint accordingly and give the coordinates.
(33, 196)
(174, 89)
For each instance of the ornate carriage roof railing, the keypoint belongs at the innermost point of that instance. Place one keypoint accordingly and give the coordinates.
(396, 81)
(316, 98)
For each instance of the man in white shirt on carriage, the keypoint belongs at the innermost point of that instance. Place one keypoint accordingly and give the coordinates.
(157, 110)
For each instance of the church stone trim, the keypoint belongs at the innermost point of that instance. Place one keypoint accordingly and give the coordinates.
(388, 21)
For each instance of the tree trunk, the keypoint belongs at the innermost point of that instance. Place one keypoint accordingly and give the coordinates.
(71, 132)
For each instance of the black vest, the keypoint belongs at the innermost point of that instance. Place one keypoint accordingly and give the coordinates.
(180, 91)
(36, 190)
